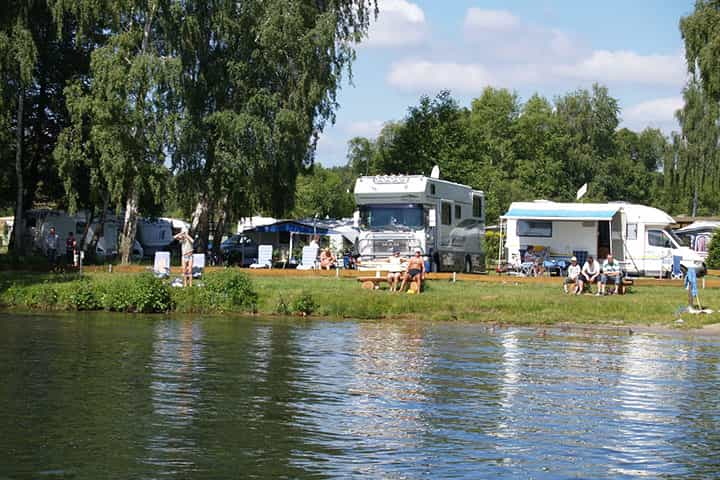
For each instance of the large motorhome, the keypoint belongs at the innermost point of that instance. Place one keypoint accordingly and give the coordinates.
(444, 220)
(639, 237)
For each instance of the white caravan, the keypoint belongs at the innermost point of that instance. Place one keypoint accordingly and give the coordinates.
(445, 220)
(639, 237)
(154, 234)
(39, 223)
(698, 235)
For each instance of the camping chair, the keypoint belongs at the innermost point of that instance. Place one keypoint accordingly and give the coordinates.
(264, 257)
(676, 273)
(581, 256)
(161, 265)
(309, 258)
(198, 265)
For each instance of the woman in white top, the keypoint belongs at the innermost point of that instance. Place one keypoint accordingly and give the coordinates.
(590, 273)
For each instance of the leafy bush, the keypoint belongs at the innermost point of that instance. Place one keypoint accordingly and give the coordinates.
(491, 246)
(43, 295)
(230, 290)
(142, 293)
(713, 258)
(82, 295)
(304, 305)
(282, 307)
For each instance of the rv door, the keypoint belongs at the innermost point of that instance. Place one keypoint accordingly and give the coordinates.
(617, 231)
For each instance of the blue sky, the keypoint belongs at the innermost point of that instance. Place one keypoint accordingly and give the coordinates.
(550, 47)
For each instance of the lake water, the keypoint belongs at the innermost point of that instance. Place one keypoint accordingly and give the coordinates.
(107, 396)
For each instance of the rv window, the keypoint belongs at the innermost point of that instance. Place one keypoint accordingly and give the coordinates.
(432, 189)
(656, 238)
(446, 214)
(534, 228)
(80, 228)
(631, 233)
(458, 212)
(477, 206)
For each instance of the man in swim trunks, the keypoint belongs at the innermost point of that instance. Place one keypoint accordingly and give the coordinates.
(415, 271)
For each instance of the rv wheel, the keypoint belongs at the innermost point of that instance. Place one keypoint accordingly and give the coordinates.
(468, 265)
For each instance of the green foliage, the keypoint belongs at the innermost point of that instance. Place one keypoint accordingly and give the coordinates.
(713, 258)
(325, 192)
(230, 290)
(282, 307)
(492, 244)
(514, 151)
(82, 295)
(138, 293)
(304, 304)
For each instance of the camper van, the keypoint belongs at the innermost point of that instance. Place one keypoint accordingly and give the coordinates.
(445, 220)
(698, 235)
(154, 234)
(639, 237)
(39, 223)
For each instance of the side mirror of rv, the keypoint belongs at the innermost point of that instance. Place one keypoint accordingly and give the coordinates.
(431, 218)
(356, 219)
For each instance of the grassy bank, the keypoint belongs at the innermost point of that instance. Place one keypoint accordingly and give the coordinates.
(231, 291)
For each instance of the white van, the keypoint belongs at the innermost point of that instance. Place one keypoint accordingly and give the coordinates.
(639, 237)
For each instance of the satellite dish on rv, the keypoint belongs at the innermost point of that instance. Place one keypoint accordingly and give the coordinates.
(435, 172)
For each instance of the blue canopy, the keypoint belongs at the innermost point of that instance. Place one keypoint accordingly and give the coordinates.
(291, 226)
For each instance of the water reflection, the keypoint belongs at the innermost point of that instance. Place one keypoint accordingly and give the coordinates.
(246, 398)
(176, 368)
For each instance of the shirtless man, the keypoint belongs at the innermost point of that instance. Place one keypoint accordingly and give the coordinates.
(415, 271)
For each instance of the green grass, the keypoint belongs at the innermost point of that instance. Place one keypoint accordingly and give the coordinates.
(504, 303)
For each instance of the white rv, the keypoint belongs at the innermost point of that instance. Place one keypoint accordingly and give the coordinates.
(698, 235)
(154, 234)
(639, 237)
(445, 220)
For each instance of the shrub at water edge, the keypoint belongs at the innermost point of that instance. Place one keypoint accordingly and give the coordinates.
(138, 293)
(713, 258)
(230, 290)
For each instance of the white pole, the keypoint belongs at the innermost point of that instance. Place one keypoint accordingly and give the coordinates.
(289, 250)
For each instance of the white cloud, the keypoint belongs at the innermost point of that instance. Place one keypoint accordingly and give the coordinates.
(477, 18)
(369, 128)
(656, 113)
(627, 67)
(399, 24)
(422, 75)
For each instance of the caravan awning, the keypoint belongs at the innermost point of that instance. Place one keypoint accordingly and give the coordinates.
(569, 212)
(294, 227)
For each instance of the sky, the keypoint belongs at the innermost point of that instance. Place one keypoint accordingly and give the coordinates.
(420, 47)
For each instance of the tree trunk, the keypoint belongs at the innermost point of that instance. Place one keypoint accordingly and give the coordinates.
(19, 221)
(200, 228)
(127, 237)
(219, 228)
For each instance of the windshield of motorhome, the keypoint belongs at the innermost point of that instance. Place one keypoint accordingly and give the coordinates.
(681, 241)
(391, 216)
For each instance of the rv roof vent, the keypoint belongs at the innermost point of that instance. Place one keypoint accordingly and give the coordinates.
(435, 172)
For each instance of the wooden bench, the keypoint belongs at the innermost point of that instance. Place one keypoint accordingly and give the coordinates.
(626, 282)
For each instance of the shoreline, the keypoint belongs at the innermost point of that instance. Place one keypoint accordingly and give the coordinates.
(625, 329)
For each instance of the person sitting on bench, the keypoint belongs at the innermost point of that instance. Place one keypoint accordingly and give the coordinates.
(573, 277)
(415, 271)
(611, 272)
(589, 274)
(395, 270)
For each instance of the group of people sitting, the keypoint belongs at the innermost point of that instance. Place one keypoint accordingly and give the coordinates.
(404, 271)
(591, 272)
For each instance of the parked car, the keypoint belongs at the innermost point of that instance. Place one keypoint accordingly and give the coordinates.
(239, 250)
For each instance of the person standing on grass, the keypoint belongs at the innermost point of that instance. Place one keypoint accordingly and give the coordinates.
(70, 248)
(51, 246)
(610, 273)
(573, 277)
(589, 273)
(186, 246)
